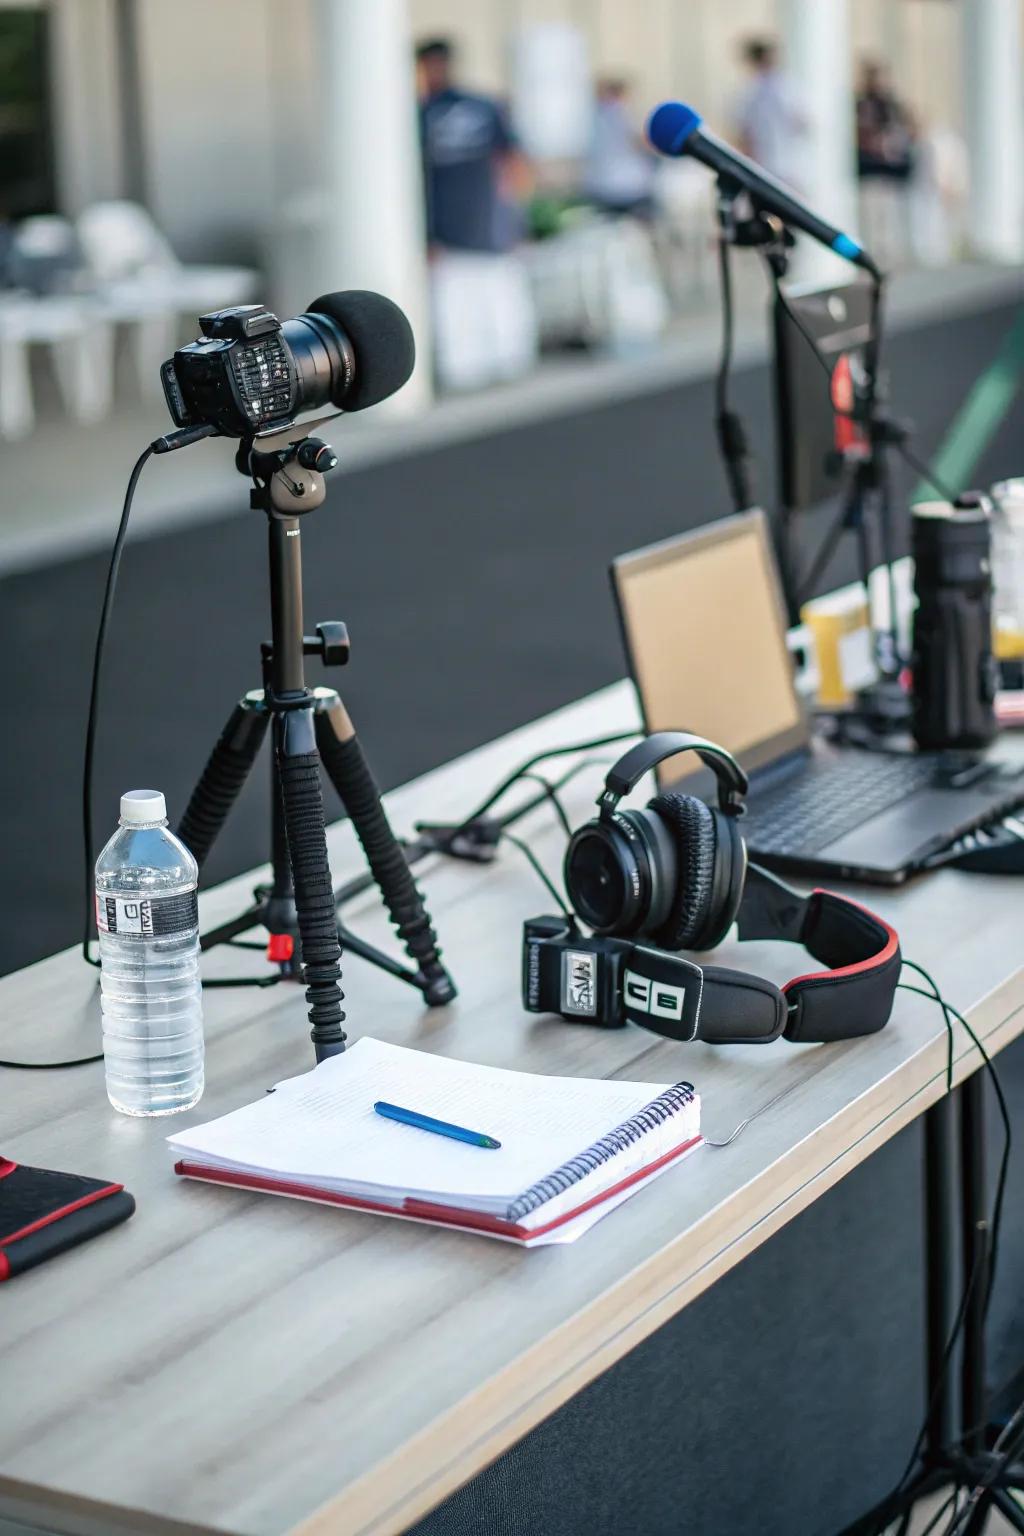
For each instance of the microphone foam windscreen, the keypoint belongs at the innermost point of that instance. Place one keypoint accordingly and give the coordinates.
(670, 125)
(382, 343)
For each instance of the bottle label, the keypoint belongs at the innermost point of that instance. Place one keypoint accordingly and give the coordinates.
(147, 916)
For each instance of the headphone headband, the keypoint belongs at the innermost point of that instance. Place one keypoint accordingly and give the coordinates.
(618, 980)
(626, 774)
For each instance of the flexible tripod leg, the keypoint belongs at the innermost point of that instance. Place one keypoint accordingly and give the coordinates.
(225, 773)
(298, 766)
(351, 776)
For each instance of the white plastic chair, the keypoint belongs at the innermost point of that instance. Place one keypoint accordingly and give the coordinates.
(140, 280)
(122, 244)
(685, 230)
(81, 343)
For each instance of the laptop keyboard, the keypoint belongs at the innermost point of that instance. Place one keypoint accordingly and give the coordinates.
(803, 813)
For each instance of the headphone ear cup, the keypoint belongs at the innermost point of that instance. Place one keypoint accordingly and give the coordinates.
(693, 826)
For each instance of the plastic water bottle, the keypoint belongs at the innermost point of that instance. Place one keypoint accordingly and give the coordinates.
(147, 917)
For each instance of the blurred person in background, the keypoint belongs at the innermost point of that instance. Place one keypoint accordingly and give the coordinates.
(475, 182)
(771, 124)
(886, 134)
(885, 127)
(619, 171)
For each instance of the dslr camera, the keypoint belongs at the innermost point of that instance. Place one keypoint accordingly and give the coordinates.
(250, 372)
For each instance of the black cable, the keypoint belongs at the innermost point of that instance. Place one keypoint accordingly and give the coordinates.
(541, 757)
(1004, 1115)
(551, 793)
(906, 986)
(725, 357)
(50, 1066)
(732, 439)
(539, 870)
(90, 750)
(94, 692)
(940, 1385)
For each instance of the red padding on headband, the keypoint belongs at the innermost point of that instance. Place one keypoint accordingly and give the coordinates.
(854, 995)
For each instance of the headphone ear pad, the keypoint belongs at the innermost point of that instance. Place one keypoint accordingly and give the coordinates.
(694, 832)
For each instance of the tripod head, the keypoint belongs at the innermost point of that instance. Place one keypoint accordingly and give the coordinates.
(288, 469)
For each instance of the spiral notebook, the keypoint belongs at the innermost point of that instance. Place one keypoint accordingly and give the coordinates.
(571, 1148)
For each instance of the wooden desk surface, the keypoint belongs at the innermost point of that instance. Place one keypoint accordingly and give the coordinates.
(238, 1363)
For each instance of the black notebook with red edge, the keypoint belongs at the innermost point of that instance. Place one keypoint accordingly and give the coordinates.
(44, 1213)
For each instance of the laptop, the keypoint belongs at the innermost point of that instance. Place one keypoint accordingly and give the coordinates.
(705, 634)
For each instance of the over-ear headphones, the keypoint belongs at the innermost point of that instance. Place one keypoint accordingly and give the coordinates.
(676, 876)
(674, 871)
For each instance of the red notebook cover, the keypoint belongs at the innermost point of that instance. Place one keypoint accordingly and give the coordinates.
(422, 1210)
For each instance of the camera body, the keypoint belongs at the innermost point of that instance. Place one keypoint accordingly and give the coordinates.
(250, 372)
(239, 376)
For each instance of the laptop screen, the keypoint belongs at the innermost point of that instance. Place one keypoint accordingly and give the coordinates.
(705, 631)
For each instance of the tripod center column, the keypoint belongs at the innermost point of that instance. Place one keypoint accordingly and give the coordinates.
(287, 673)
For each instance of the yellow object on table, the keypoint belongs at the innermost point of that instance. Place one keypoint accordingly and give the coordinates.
(841, 628)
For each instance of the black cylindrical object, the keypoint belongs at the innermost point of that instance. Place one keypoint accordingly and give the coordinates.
(953, 667)
(287, 676)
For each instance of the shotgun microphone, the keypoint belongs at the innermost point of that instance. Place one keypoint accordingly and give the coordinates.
(674, 129)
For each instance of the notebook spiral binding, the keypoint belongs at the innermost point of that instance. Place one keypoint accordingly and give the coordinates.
(616, 1141)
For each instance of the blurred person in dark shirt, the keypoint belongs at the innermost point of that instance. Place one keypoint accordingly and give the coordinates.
(885, 127)
(475, 183)
(474, 173)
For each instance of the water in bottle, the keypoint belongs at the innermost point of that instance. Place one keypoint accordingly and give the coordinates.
(147, 917)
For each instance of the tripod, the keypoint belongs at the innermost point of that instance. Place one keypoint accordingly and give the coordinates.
(992, 1468)
(299, 907)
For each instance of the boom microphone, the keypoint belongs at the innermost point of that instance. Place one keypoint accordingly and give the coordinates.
(674, 129)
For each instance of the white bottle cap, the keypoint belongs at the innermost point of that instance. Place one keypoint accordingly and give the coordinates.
(143, 806)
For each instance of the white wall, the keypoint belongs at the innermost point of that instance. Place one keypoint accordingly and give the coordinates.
(207, 75)
(86, 102)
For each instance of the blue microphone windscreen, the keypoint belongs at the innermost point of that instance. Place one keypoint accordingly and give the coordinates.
(670, 125)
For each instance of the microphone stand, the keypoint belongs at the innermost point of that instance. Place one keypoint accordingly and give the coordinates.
(774, 239)
(869, 487)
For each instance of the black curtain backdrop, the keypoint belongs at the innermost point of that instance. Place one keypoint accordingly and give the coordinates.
(473, 578)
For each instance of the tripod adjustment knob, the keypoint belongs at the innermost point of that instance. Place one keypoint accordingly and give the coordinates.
(334, 645)
(314, 453)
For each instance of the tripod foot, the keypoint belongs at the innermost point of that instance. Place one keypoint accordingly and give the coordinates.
(438, 988)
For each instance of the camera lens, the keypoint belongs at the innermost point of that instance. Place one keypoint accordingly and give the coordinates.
(599, 886)
(323, 360)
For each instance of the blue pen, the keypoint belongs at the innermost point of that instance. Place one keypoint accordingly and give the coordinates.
(439, 1127)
